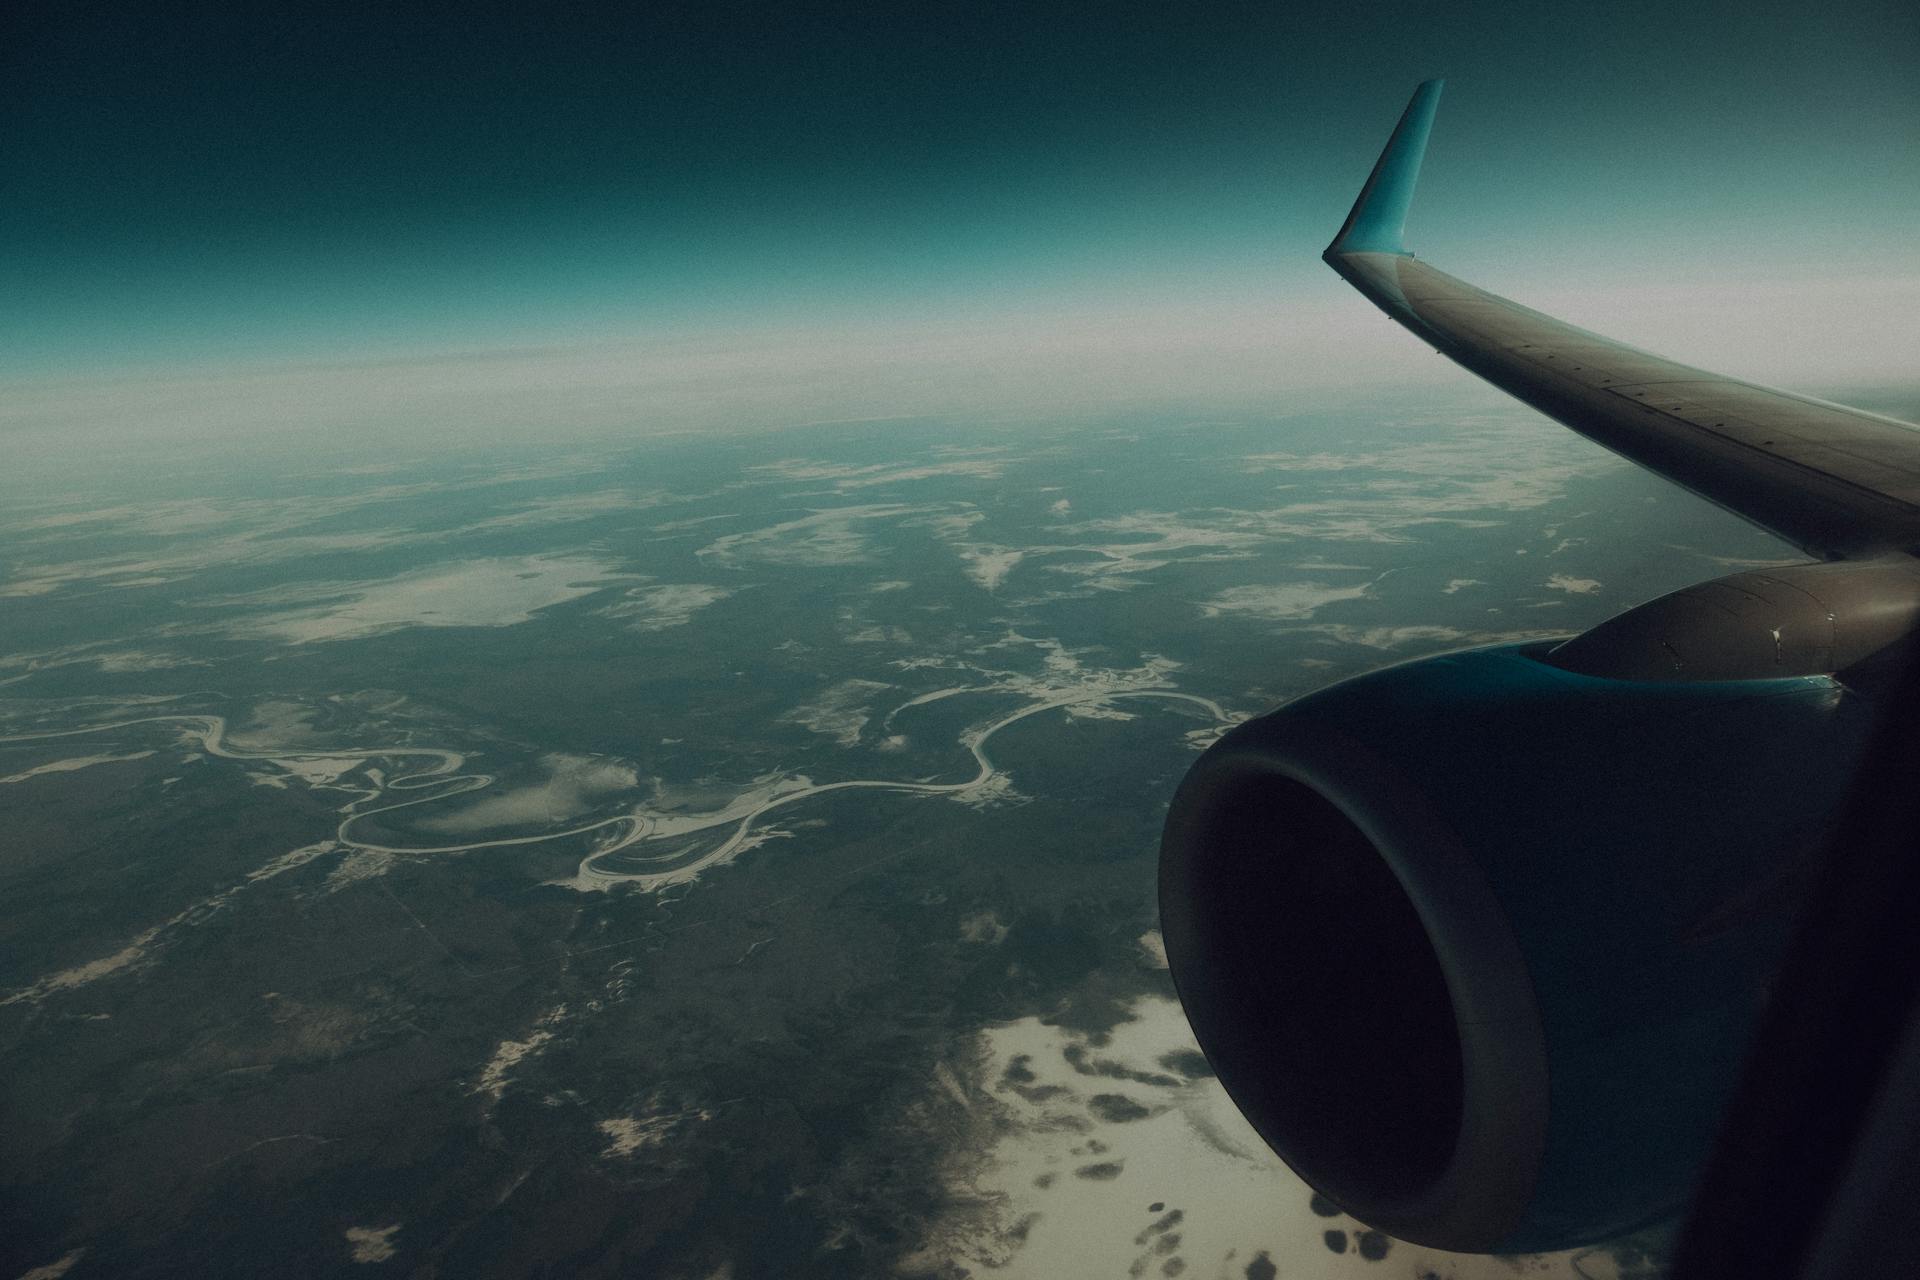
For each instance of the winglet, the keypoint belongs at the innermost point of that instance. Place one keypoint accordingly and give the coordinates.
(1379, 218)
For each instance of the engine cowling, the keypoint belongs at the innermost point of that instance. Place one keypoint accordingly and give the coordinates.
(1476, 942)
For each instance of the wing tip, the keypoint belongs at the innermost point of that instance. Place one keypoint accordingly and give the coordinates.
(1378, 220)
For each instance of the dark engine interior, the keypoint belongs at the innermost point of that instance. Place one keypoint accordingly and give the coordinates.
(1336, 990)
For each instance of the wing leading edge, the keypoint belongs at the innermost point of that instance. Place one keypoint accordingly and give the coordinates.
(1837, 482)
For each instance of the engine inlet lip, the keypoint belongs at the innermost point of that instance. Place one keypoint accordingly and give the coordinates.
(1482, 1192)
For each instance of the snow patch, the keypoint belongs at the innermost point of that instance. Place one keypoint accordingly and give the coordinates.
(371, 1244)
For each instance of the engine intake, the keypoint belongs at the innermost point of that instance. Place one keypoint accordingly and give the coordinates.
(1475, 942)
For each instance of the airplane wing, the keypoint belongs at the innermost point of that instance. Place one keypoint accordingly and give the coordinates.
(1477, 942)
(1837, 482)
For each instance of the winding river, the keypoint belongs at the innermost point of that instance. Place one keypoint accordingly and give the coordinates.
(444, 779)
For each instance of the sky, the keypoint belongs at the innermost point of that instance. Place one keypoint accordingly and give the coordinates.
(195, 187)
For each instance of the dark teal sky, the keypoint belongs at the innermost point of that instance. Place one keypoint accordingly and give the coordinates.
(217, 182)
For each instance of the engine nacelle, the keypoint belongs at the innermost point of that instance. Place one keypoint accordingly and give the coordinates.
(1476, 942)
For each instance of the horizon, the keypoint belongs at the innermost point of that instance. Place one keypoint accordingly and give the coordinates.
(182, 203)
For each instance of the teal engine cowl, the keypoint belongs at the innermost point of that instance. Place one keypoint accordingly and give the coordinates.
(1476, 942)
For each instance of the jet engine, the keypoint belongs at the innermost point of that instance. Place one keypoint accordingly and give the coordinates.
(1476, 942)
